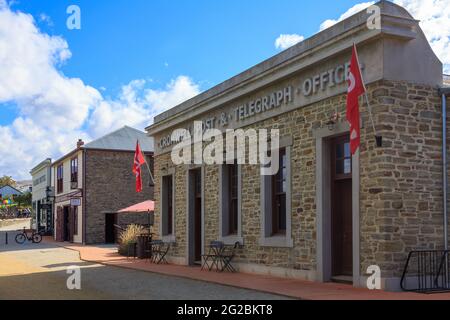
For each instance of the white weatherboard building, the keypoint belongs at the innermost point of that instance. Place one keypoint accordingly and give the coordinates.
(41, 191)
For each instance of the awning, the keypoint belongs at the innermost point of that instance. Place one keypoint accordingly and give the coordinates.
(145, 206)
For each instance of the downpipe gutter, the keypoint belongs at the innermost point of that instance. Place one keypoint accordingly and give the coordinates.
(445, 92)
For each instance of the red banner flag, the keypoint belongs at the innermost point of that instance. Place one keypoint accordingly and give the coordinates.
(355, 89)
(139, 160)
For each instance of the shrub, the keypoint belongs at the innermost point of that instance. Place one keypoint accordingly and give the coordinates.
(129, 236)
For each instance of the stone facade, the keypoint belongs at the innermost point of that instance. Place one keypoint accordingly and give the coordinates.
(110, 186)
(397, 194)
(400, 189)
(401, 184)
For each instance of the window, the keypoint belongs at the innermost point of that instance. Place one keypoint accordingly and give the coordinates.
(74, 170)
(230, 203)
(167, 206)
(343, 159)
(276, 201)
(39, 180)
(279, 188)
(233, 192)
(59, 179)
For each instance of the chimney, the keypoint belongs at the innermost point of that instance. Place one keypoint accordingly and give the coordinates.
(80, 143)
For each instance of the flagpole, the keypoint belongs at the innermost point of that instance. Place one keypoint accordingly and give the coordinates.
(378, 139)
(149, 171)
(370, 113)
(148, 168)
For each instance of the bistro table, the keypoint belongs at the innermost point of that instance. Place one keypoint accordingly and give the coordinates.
(144, 245)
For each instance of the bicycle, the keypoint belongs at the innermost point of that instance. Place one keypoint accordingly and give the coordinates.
(35, 237)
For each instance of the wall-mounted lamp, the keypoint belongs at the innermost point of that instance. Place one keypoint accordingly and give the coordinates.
(332, 120)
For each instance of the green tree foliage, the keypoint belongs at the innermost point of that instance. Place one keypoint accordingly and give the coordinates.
(24, 200)
(7, 181)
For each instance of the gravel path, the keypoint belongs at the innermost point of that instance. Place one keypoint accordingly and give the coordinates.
(40, 272)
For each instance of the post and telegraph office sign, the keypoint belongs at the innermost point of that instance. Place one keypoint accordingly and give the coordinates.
(275, 101)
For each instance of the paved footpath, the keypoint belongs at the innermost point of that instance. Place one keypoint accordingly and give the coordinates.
(39, 271)
(33, 271)
(296, 289)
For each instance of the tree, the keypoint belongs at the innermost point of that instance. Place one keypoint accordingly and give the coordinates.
(7, 181)
(23, 200)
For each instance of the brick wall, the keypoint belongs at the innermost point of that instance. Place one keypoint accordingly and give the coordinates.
(110, 186)
(400, 191)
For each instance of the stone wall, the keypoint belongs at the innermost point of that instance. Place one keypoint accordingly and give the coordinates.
(125, 219)
(400, 184)
(110, 186)
(401, 192)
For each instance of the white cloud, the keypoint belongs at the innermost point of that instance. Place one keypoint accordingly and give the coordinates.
(177, 91)
(285, 41)
(136, 105)
(55, 110)
(434, 16)
(355, 9)
(46, 19)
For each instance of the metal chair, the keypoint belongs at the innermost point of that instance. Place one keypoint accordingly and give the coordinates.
(159, 250)
(227, 257)
(213, 255)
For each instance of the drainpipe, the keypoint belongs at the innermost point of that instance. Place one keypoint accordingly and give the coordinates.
(84, 211)
(445, 92)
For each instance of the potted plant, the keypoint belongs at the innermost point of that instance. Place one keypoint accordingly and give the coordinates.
(128, 238)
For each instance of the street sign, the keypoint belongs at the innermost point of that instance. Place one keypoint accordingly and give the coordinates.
(76, 202)
(46, 206)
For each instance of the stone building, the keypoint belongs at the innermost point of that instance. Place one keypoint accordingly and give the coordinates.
(325, 215)
(95, 180)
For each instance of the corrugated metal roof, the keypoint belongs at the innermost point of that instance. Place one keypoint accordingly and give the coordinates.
(122, 139)
(8, 190)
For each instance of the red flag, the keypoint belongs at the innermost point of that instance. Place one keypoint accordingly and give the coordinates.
(355, 89)
(139, 160)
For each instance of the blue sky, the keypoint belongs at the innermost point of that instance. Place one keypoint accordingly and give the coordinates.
(134, 59)
(208, 40)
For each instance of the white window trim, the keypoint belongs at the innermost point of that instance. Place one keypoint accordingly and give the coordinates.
(172, 237)
(230, 239)
(278, 241)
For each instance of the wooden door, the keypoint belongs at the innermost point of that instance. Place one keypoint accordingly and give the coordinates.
(66, 233)
(341, 207)
(198, 215)
(59, 224)
(71, 222)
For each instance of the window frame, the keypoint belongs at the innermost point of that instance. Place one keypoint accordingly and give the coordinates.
(233, 192)
(278, 178)
(230, 237)
(60, 178)
(267, 237)
(74, 169)
(164, 230)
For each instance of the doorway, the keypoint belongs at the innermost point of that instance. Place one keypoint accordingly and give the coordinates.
(341, 209)
(67, 230)
(195, 216)
(110, 233)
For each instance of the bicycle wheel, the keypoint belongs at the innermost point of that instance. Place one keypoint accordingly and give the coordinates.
(20, 238)
(37, 238)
